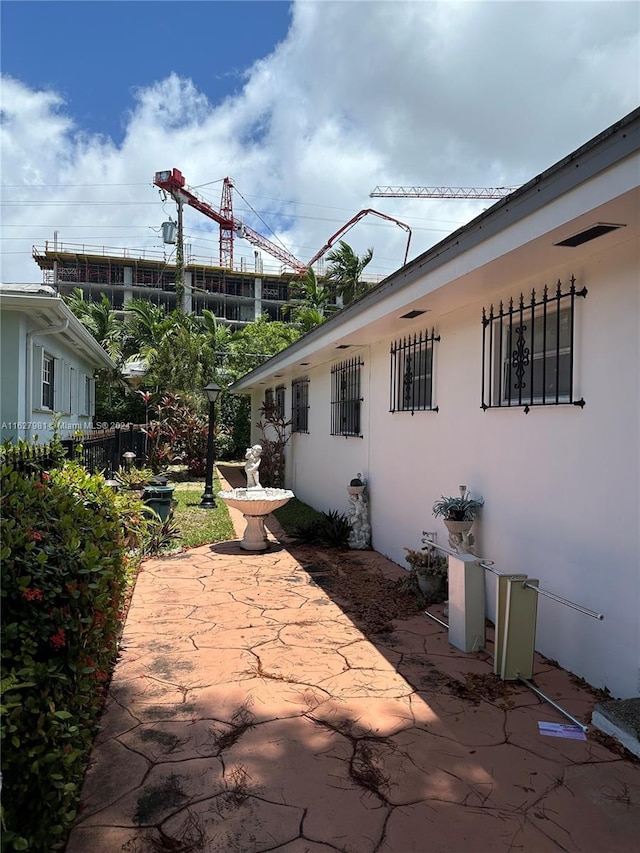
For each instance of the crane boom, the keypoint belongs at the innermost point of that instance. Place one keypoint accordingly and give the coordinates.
(441, 192)
(351, 223)
(173, 182)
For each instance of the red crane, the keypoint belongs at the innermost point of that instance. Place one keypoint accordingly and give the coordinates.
(173, 182)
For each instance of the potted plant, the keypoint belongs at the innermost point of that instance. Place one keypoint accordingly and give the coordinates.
(458, 514)
(428, 576)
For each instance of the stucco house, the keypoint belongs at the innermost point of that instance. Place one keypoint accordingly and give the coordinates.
(505, 358)
(48, 362)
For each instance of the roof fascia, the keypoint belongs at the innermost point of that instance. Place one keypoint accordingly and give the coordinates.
(55, 306)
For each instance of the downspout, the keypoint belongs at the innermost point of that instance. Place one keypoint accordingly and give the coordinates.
(52, 330)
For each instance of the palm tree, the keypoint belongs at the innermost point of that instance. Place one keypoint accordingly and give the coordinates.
(311, 302)
(345, 271)
(99, 319)
(146, 326)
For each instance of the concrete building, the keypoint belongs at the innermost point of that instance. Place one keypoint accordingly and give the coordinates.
(236, 297)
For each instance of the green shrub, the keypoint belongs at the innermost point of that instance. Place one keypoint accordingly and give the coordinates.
(330, 530)
(65, 567)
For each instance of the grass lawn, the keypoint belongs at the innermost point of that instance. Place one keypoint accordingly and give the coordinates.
(199, 526)
(294, 514)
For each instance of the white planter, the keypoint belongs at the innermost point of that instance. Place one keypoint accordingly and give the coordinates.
(460, 538)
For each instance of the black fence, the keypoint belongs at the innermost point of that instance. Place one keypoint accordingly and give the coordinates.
(102, 450)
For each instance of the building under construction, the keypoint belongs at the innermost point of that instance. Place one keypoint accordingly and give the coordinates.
(236, 297)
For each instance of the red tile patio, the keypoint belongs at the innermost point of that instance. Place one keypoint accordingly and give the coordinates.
(248, 713)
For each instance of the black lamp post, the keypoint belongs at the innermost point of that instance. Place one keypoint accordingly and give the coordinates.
(208, 500)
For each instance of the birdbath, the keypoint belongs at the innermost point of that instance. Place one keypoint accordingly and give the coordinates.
(255, 504)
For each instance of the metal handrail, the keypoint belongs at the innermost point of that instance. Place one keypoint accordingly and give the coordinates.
(572, 604)
(489, 566)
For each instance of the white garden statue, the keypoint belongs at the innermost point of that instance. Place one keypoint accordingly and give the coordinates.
(252, 465)
(358, 515)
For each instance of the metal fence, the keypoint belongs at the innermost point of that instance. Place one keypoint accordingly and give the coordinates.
(102, 450)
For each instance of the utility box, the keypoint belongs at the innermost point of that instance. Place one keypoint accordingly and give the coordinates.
(516, 614)
(466, 603)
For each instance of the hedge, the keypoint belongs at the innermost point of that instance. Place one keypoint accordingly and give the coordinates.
(65, 568)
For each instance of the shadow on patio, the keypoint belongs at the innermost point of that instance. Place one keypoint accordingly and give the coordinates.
(250, 711)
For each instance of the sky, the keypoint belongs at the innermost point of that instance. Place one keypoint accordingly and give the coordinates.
(305, 105)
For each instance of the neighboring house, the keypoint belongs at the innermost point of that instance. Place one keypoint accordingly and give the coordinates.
(48, 363)
(505, 358)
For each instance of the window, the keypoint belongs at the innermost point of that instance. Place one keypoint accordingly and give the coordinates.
(528, 351)
(300, 405)
(280, 401)
(411, 387)
(345, 397)
(48, 379)
(268, 398)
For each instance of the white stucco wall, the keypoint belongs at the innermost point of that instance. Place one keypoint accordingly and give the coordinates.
(561, 485)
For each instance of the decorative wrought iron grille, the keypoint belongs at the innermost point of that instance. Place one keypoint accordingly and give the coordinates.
(411, 382)
(300, 405)
(280, 401)
(345, 397)
(528, 350)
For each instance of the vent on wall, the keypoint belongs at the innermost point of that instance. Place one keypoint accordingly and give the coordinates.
(591, 233)
(411, 314)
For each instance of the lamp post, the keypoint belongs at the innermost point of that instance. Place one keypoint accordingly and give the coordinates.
(208, 501)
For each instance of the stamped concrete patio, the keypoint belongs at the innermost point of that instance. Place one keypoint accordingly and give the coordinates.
(248, 713)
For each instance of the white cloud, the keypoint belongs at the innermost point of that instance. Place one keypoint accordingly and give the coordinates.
(358, 94)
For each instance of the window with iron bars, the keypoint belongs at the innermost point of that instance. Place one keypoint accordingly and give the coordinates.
(268, 398)
(300, 405)
(528, 350)
(280, 401)
(345, 397)
(411, 385)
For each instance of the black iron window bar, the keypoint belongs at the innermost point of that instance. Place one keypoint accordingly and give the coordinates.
(300, 405)
(280, 401)
(345, 397)
(268, 398)
(411, 381)
(528, 351)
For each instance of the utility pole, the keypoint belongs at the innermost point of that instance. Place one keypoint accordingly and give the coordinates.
(180, 259)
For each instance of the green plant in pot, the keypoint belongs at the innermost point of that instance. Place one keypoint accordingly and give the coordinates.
(459, 514)
(134, 478)
(428, 576)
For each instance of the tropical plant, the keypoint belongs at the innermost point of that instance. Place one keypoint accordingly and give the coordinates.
(100, 319)
(312, 302)
(134, 478)
(345, 271)
(66, 565)
(330, 530)
(462, 508)
(273, 423)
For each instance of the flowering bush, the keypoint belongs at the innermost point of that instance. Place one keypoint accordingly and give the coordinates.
(65, 569)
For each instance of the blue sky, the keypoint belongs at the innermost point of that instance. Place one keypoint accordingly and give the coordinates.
(306, 105)
(95, 52)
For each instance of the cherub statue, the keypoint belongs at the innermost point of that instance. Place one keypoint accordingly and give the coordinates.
(251, 466)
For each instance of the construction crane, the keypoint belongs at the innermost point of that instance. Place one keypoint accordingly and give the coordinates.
(351, 223)
(441, 192)
(173, 182)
